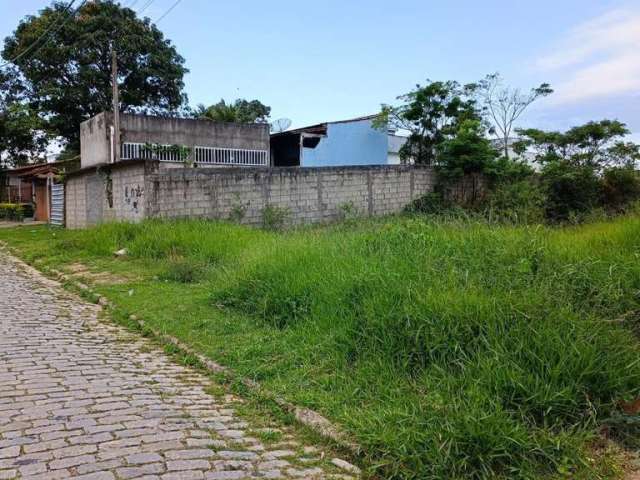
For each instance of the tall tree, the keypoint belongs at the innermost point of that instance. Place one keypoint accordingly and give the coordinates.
(504, 105)
(67, 76)
(431, 114)
(469, 151)
(241, 111)
(592, 145)
(625, 154)
(22, 135)
(581, 167)
(22, 139)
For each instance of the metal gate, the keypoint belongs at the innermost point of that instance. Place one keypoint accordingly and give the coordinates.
(57, 204)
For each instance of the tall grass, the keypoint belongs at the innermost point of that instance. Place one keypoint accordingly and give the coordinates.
(499, 339)
(448, 349)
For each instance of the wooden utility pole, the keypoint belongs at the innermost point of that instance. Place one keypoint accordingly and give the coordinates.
(116, 105)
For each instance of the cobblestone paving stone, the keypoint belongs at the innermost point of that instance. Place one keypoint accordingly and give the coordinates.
(83, 398)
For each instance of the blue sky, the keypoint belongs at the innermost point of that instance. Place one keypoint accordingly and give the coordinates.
(334, 59)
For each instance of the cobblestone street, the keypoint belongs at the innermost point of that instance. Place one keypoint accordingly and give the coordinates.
(80, 397)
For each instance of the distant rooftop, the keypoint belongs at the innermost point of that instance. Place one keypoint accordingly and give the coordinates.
(321, 128)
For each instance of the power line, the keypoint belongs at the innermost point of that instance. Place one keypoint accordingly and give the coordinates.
(145, 6)
(168, 11)
(66, 20)
(48, 30)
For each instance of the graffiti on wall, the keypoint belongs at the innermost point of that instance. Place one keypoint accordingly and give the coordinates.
(133, 196)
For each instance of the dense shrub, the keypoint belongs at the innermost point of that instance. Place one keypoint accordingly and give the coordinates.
(468, 152)
(564, 192)
(560, 193)
(430, 203)
(520, 202)
(28, 210)
(517, 202)
(12, 211)
(620, 187)
(274, 217)
(571, 190)
(505, 170)
(182, 271)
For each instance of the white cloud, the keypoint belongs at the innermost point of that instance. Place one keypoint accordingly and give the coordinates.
(598, 58)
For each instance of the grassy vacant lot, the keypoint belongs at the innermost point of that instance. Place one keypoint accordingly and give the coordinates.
(447, 349)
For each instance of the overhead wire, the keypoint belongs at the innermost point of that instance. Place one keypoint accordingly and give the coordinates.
(145, 6)
(45, 33)
(175, 4)
(64, 22)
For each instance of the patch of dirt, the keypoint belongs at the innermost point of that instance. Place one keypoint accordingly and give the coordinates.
(614, 459)
(632, 466)
(81, 271)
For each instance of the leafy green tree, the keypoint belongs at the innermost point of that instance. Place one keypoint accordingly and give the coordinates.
(468, 152)
(67, 77)
(571, 190)
(241, 111)
(22, 139)
(586, 166)
(431, 114)
(503, 105)
(620, 187)
(594, 144)
(626, 154)
(507, 170)
(545, 146)
(22, 135)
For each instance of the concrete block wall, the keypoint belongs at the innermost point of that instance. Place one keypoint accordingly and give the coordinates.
(392, 190)
(75, 203)
(87, 201)
(345, 187)
(310, 195)
(468, 190)
(129, 202)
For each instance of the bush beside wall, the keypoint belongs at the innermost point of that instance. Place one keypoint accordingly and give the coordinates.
(14, 211)
(561, 192)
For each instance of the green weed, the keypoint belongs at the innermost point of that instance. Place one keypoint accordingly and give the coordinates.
(447, 349)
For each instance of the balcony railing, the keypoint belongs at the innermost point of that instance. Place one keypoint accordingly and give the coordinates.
(230, 156)
(200, 155)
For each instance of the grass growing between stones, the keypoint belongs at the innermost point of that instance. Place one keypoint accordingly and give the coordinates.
(446, 349)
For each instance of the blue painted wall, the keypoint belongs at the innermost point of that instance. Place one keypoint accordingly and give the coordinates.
(352, 143)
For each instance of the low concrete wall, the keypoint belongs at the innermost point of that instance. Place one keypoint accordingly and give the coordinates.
(132, 191)
(309, 195)
(110, 193)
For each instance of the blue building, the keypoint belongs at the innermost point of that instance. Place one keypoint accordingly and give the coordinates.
(332, 144)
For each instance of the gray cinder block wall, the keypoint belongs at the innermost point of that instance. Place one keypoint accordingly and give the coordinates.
(310, 195)
(143, 189)
(112, 193)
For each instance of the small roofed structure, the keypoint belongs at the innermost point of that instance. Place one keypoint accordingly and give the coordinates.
(355, 141)
(31, 185)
